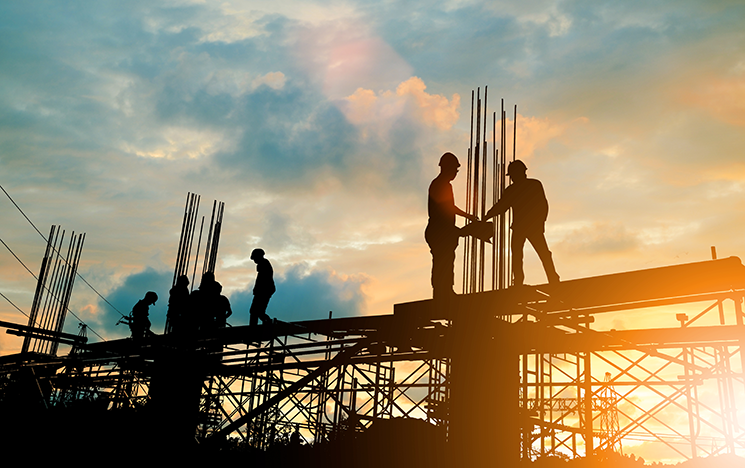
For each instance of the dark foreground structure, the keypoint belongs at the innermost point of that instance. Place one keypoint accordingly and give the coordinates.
(500, 376)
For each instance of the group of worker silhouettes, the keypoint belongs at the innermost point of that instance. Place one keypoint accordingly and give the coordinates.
(524, 196)
(205, 308)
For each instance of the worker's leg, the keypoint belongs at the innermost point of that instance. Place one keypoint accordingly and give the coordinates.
(264, 316)
(538, 241)
(258, 309)
(442, 245)
(443, 271)
(517, 244)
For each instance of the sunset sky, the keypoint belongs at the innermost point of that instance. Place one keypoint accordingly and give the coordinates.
(320, 125)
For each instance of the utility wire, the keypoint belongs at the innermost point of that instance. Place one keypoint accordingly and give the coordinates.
(76, 273)
(45, 240)
(19, 260)
(45, 287)
(11, 303)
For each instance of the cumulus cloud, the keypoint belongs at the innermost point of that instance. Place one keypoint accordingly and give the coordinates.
(370, 140)
(534, 133)
(365, 107)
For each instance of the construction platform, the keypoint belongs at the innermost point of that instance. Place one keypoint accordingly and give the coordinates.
(507, 374)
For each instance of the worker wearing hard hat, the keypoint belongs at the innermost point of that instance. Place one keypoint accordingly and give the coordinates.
(264, 288)
(441, 233)
(529, 212)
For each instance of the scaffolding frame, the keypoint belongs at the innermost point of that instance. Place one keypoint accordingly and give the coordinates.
(698, 375)
(582, 390)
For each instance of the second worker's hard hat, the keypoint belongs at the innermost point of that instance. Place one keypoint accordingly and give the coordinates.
(449, 160)
(516, 167)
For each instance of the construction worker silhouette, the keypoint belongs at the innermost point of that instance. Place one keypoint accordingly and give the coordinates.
(178, 303)
(263, 288)
(139, 324)
(201, 304)
(441, 233)
(222, 307)
(529, 213)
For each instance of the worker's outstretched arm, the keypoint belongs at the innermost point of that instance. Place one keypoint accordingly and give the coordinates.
(470, 217)
(496, 210)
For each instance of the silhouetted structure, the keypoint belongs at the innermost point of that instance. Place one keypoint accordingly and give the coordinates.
(263, 290)
(441, 233)
(500, 376)
(184, 253)
(529, 207)
(503, 374)
(53, 290)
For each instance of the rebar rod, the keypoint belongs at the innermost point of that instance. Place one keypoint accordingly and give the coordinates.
(494, 193)
(51, 294)
(514, 134)
(185, 235)
(475, 191)
(207, 252)
(181, 241)
(190, 235)
(216, 239)
(482, 244)
(61, 290)
(469, 208)
(196, 259)
(507, 214)
(76, 247)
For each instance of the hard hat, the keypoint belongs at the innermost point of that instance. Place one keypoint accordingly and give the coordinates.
(151, 297)
(257, 253)
(516, 167)
(449, 160)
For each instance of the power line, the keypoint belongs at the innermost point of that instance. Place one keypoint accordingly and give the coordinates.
(45, 240)
(37, 279)
(19, 260)
(32, 273)
(11, 303)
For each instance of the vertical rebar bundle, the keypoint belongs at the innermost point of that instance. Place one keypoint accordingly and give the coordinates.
(53, 291)
(186, 241)
(213, 239)
(188, 231)
(487, 176)
(191, 212)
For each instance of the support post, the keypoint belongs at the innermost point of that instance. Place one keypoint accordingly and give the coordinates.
(484, 426)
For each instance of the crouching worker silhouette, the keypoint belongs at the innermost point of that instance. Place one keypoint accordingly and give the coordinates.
(263, 289)
(441, 233)
(529, 213)
(138, 321)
